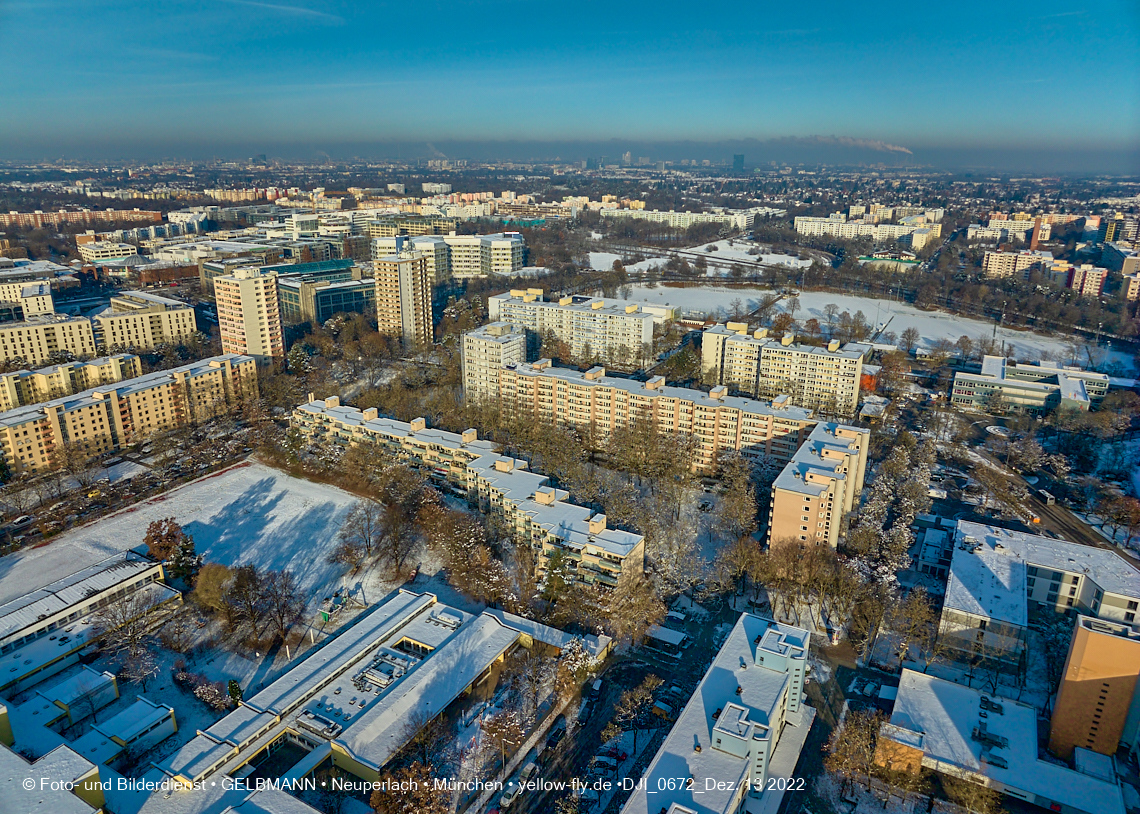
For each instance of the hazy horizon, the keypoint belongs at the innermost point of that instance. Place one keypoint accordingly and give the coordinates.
(1054, 90)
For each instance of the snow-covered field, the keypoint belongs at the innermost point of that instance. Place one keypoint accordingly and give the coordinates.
(897, 317)
(736, 249)
(248, 513)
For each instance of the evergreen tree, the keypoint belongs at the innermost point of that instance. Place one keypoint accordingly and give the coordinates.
(234, 690)
(185, 562)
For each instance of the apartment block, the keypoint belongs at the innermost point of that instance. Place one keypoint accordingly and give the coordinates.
(1007, 231)
(1001, 265)
(249, 314)
(1004, 386)
(917, 232)
(33, 298)
(717, 421)
(486, 351)
(22, 387)
(1120, 257)
(746, 722)
(403, 295)
(1130, 288)
(435, 251)
(453, 255)
(499, 485)
(613, 330)
(114, 416)
(38, 338)
(101, 250)
(683, 220)
(138, 320)
(819, 486)
(1086, 279)
(39, 219)
(410, 225)
(750, 363)
(1097, 706)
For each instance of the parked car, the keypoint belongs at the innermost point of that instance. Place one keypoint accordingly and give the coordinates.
(509, 796)
(22, 521)
(528, 772)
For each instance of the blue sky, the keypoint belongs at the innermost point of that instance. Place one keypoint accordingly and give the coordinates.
(165, 77)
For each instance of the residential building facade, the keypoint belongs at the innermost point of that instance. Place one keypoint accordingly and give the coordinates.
(37, 339)
(1097, 706)
(249, 314)
(822, 379)
(501, 486)
(22, 387)
(403, 296)
(745, 721)
(614, 331)
(486, 351)
(138, 320)
(718, 422)
(1002, 265)
(110, 417)
(819, 486)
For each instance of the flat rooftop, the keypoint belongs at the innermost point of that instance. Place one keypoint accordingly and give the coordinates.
(943, 717)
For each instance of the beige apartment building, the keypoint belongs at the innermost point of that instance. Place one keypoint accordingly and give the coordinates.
(21, 387)
(111, 417)
(36, 338)
(501, 486)
(614, 331)
(819, 486)
(1098, 690)
(249, 314)
(1001, 265)
(403, 295)
(717, 421)
(411, 225)
(823, 379)
(34, 298)
(435, 251)
(136, 319)
(486, 351)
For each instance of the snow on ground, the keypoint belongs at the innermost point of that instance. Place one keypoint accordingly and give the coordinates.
(735, 249)
(897, 317)
(603, 261)
(248, 513)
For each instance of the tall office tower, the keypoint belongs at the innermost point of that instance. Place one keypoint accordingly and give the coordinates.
(249, 314)
(738, 162)
(403, 295)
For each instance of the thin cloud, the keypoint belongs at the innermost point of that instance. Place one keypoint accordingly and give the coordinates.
(1065, 14)
(293, 11)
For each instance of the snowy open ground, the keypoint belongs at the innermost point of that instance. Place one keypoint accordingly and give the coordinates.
(729, 250)
(932, 325)
(248, 513)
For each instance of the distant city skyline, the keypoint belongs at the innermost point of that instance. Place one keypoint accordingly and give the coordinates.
(1054, 89)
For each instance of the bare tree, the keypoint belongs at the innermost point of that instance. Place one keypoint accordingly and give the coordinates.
(245, 595)
(364, 527)
(76, 459)
(122, 625)
(910, 339)
(634, 702)
(282, 600)
(852, 747)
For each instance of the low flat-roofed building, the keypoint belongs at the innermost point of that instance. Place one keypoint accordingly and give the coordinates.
(1004, 386)
(1000, 578)
(43, 631)
(98, 250)
(745, 723)
(75, 698)
(965, 733)
(72, 787)
(137, 728)
(318, 301)
(355, 698)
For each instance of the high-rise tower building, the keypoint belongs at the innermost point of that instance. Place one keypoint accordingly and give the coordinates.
(403, 295)
(249, 314)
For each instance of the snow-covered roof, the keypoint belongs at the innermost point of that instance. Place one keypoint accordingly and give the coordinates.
(271, 801)
(378, 732)
(1105, 567)
(37, 604)
(987, 583)
(62, 764)
(948, 717)
(757, 703)
(594, 645)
